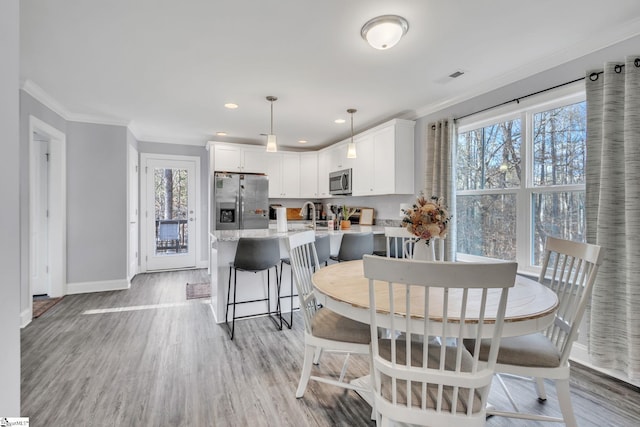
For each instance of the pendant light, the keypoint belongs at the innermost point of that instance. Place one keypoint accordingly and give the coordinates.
(272, 146)
(351, 146)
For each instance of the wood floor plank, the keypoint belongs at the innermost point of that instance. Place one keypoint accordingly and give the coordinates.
(172, 365)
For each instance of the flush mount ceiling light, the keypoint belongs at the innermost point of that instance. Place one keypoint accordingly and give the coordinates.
(351, 147)
(272, 146)
(384, 32)
(231, 105)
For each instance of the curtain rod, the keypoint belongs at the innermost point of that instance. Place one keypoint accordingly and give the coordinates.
(593, 77)
(517, 100)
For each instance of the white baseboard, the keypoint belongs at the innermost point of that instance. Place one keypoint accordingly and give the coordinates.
(580, 354)
(98, 286)
(25, 317)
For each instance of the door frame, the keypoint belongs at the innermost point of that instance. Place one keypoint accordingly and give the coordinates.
(146, 210)
(57, 229)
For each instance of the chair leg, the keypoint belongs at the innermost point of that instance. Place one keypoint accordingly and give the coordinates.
(306, 370)
(278, 313)
(542, 394)
(231, 329)
(564, 397)
(317, 355)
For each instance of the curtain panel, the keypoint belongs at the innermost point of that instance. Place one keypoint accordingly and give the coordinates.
(439, 173)
(613, 213)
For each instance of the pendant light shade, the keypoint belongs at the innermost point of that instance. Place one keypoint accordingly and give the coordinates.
(272, 145)
(384, 32)
(351, 147)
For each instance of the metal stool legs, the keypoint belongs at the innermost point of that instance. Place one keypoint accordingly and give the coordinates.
(277, 319)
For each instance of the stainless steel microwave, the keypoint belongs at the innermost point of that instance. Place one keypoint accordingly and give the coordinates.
(340, 182)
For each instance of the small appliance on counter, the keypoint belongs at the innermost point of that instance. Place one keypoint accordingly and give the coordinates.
(241, 201)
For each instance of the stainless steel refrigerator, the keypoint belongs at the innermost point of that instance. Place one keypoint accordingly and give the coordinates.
(241, 201)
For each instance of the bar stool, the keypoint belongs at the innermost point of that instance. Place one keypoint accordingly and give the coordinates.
(323, 250)
(354, 246)
(254, 254)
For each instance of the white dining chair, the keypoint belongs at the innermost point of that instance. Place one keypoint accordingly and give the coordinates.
(569, 269)
(398, 242)
(433, 381)
(324, 330)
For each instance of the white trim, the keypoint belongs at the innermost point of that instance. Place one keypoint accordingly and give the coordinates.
(44, 98)
(97, 286)
(580, 354)
(26, 316)
(57, 209)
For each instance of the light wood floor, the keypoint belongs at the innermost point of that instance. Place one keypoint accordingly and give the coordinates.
(155, 359)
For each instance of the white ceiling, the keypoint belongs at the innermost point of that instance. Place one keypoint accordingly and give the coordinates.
(165, 68)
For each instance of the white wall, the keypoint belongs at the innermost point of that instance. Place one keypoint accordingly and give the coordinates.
(10, 214)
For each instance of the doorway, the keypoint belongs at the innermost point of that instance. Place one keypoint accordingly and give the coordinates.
(47, 210)
(170, 237)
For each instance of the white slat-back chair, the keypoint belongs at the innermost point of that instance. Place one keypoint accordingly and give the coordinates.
(569, 269)
(398, 241)
(434, 381)
(324, 330)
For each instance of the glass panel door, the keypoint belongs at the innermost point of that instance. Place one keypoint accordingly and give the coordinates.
(170, 214)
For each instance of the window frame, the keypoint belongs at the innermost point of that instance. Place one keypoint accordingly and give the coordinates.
(524, 110)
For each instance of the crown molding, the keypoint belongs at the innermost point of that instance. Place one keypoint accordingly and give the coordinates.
(44, 98)
(48, 101)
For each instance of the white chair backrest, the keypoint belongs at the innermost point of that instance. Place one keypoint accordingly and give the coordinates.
(569, 269)
(398, 241)
(304, 258)
(443, 384)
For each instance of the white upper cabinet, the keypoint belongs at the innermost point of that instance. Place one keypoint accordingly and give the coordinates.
(309, 175)
(384, 163)
(290, 175)
(323, 173)
(239, 158)
(228, 158)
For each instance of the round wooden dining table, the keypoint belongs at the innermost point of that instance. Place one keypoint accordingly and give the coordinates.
(343, 288)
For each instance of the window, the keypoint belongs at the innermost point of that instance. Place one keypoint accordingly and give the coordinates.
(520, 177)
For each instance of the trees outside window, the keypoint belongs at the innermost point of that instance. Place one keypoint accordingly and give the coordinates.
(520, 177)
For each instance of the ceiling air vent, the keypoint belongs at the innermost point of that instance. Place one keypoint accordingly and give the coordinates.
(456, 74)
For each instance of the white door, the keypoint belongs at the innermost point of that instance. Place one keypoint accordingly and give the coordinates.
(40, 226)
(170, 236)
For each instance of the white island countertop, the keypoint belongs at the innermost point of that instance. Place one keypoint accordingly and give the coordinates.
(234, 235)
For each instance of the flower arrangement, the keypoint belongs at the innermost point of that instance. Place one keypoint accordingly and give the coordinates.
(428, 218)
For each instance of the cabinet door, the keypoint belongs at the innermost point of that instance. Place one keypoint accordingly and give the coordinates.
(290, 175)
(363, 170)
(273, 163)
(323, 174)
(254, 160)
(228, 158)
(383, 165)
(309, 175)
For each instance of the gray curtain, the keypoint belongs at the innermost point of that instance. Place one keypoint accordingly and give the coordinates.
(613, 213)
(439, 173)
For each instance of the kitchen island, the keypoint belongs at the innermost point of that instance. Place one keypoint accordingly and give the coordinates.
(253, 286)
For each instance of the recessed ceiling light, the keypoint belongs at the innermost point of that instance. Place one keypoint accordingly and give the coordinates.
(339, 121)
(303, 141)
(231, 105)
(221, 133)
